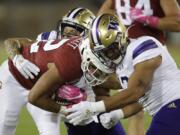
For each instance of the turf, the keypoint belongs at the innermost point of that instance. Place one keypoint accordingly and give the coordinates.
(26, 125)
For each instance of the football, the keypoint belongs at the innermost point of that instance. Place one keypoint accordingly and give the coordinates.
(68, 95)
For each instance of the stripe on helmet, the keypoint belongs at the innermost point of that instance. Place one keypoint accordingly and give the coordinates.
(74, 12)
(95, 33)
(70, 12)
(145, 46)
(78, 12)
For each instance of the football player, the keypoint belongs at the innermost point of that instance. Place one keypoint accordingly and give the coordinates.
(73, 24)
(144, 17)
(97, 128)
(47, 123)
(146, 71)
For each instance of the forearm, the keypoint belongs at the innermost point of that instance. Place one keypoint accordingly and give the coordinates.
(131, 109)
(13, 45)
(120, 100)
(47, 104)
(169, 23)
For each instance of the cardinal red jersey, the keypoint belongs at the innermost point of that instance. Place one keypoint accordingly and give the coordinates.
(136, 29)
(64, 53)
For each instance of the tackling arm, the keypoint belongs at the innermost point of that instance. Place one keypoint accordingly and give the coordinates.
(138, 84)
(25, 67)
(103, 91)
(13, 45)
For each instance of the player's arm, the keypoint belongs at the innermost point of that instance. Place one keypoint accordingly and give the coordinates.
(40, 93)
(110, 119)
(13, 45)
(138, 84)
(25, 67)
(171, 21)
(107, 7)
(103, 91)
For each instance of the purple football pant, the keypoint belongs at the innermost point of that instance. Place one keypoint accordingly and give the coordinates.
(94, 129)
(167, 120)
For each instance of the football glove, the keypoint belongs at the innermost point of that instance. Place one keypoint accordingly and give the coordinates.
(25, 67)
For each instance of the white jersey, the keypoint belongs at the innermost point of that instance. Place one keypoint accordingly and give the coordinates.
(165, 86)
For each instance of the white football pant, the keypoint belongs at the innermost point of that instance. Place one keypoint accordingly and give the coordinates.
(12, 98)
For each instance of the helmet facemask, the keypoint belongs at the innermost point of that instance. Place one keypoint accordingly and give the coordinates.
(114, 52)
(79, 19)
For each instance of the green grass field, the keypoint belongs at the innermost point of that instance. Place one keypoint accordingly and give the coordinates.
(26, 125)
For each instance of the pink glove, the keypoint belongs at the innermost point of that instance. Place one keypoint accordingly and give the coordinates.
(69, 95)
(137, 14)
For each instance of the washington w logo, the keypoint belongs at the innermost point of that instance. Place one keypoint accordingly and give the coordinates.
(113, 24)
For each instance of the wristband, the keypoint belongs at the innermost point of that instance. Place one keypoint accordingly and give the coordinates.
(152, 21)
(99, 107)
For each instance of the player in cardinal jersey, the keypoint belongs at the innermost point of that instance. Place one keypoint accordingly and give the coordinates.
(146, 71)
(72, 20)
(29, 70)
(39, 56)
(48, 56)
(145, 18)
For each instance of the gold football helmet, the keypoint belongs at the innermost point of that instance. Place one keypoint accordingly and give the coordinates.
(95, 69)
(107, 50)
(108, 37)
(78, 18)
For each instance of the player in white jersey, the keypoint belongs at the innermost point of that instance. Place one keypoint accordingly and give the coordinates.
(147, 73)
(144, 18)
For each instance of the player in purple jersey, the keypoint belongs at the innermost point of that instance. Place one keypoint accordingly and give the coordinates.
(146, 71)
(144, 17)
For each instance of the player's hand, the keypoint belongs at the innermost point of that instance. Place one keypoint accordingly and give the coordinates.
(84, 110)
(108, 120)
(25, 67)
(137, 14)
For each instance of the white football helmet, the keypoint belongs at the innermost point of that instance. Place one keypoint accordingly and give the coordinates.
(109, 38)
(95, 69)
(79, 18)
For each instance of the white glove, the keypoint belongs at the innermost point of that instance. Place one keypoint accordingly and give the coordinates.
(25, 67)
(84, 110)
(108, 120)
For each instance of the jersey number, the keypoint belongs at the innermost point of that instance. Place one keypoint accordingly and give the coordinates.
(48, 46)
(124, 10)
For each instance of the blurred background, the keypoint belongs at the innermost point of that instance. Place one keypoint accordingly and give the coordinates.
(27, 18)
